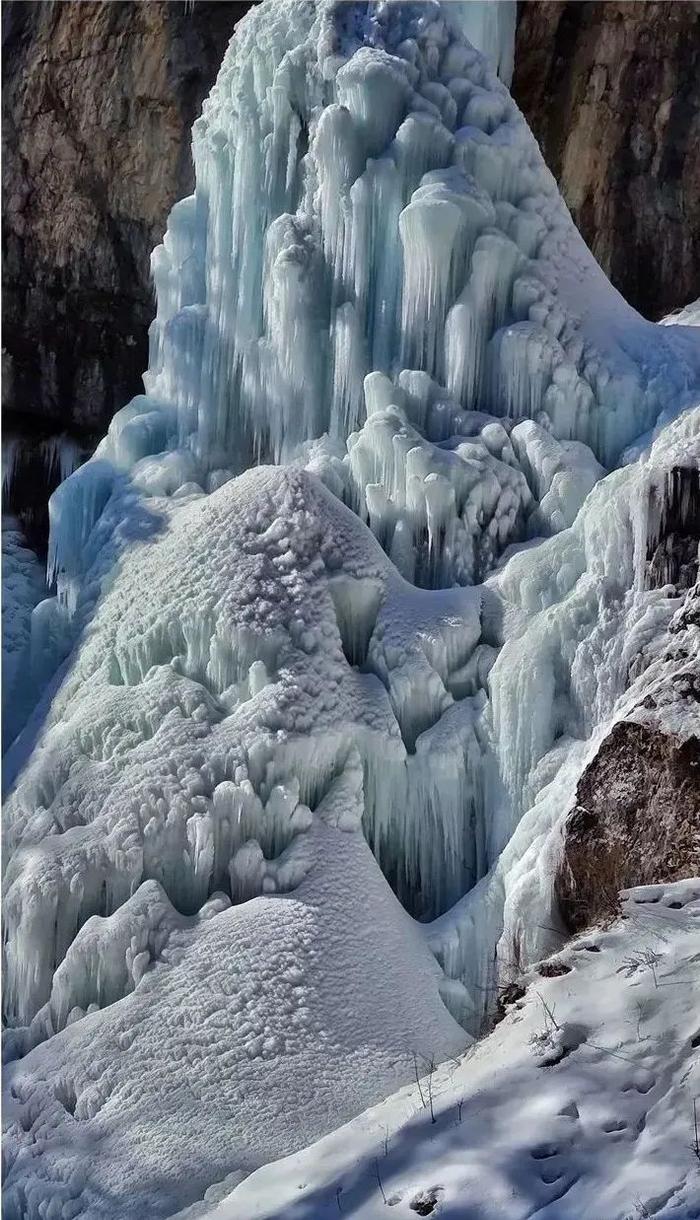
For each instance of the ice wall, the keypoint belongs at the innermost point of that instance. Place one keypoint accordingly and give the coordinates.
(375, 280)
(23, 587)
(369, 201)
(488, 27)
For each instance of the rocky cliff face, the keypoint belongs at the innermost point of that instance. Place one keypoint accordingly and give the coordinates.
(635, 821)
(98, 102)
(612, 91)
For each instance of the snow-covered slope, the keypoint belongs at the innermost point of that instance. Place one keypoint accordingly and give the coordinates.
(249, 1026)
(406, 631)
(579, 1106)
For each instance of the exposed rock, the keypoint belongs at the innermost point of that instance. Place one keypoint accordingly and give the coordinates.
(636, 820)
(674, 536)
(612, 92)
(98, 103)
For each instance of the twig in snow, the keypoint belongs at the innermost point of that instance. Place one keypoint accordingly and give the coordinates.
(379, 1180)
(417, 1074)
(548, 1011)
(642, 1007)
(431, 1069)
(427, 1105)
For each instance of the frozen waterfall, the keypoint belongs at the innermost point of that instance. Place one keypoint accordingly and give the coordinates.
(366, 561)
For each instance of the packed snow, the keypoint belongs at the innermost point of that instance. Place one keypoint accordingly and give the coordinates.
(344, 604)
(244, 1029)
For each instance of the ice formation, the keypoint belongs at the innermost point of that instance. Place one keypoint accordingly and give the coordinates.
(58, 455)
(23, 587)
(357, 568)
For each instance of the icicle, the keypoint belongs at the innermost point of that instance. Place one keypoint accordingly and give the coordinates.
(74, 509)
(438, 230)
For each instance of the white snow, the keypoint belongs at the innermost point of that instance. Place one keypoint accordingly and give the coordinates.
(579, 1106)
(365, 567)
(232, 1049)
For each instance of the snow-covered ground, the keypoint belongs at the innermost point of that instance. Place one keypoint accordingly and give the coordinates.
(579, 1105)
(346, 602)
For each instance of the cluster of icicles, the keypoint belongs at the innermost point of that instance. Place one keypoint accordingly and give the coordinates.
(368, 200)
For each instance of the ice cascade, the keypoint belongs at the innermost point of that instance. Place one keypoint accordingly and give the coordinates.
(366, 566)
(370, 202)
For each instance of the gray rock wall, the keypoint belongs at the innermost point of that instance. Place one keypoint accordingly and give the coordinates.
(98, 103)
(611, 89)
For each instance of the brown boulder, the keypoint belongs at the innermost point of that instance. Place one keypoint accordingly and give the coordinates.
(636, 821)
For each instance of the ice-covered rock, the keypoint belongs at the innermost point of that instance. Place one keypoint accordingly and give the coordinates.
(636, 812)
(586, 641)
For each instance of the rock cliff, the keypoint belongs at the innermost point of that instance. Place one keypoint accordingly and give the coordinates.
(612, 91)
(98, 102)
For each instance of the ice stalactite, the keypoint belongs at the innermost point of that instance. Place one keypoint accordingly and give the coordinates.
(491, 28)
(24, 587)
(58, 455)
(74, 510)
(444, 512)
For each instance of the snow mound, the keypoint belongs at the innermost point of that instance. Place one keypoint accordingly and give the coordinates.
(214, 713)
(246, 1029)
